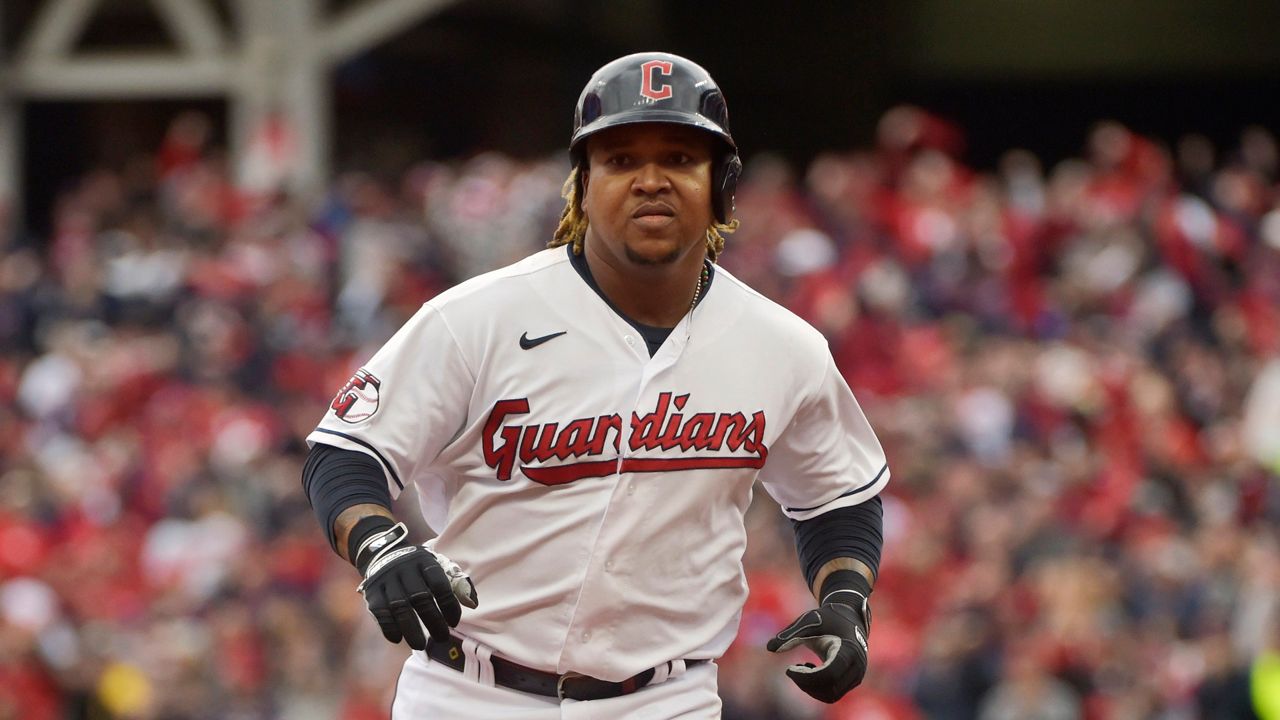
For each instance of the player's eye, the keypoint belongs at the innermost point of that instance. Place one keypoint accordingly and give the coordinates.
(680, 158)
(619, 160)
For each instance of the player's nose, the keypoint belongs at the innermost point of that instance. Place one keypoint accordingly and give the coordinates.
(650, 179)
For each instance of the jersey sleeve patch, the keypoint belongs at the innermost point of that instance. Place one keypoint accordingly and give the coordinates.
(358, 399)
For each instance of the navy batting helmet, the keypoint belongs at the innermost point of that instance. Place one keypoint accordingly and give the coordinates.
(664, 88)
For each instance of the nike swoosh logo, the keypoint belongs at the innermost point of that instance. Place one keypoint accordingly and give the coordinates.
(528, 344)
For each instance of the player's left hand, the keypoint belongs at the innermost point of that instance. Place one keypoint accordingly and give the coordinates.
(837, 631)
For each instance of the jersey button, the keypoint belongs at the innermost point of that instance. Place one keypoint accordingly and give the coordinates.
(586, 636)
(630, 340)
(608, 566)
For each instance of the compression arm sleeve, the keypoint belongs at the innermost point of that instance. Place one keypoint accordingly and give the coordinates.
(856, 531)
(336, 479)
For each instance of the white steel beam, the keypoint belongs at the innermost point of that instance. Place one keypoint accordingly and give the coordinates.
(279, 69)
(121, 76)
(193, 25)
(56, 28)
(306, 96)
(368, 24)
(251, 94)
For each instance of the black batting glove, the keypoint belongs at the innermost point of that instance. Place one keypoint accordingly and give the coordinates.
(837, 631)
(408, 586)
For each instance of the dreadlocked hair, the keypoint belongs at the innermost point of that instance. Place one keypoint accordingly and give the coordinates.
(572, 229)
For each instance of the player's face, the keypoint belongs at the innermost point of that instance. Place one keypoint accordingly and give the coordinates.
(648, 192)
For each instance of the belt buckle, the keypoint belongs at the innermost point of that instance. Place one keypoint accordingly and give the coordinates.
(560, 682)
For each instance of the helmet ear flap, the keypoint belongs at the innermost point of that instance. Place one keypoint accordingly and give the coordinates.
(724, 183)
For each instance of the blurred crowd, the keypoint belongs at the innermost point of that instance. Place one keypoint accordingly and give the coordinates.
(1075, 371)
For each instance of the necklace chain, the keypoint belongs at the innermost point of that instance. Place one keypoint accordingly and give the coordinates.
(697, 292)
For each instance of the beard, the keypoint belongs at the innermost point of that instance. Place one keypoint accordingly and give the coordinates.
(665, 259)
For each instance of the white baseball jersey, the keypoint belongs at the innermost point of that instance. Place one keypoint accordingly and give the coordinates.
(596, 494)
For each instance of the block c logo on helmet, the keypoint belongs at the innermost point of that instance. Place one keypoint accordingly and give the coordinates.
(646, 79)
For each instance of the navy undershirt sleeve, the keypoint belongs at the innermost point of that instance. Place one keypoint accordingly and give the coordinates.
(336, 479)
(853, 532)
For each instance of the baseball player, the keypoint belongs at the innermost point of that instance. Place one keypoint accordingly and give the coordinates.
(585, 429)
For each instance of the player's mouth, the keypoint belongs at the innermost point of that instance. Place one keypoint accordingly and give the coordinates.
(654, 215)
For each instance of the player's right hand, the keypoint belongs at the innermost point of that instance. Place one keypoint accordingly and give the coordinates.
(409, 586)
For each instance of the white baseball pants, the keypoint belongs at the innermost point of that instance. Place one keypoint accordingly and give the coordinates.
(428, 690)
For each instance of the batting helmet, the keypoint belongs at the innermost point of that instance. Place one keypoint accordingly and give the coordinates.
(663, 88)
